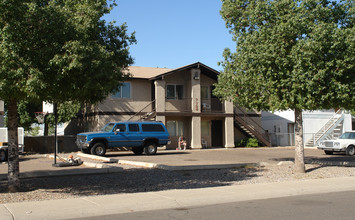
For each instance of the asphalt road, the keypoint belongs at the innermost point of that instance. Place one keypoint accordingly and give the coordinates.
(318, 206)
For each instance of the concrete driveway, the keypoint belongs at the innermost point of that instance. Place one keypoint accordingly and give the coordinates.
(229, 156)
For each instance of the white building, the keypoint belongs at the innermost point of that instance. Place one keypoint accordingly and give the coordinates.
(317, 126)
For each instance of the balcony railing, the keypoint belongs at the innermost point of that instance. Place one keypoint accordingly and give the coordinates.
(184, 105)
(212, 105)
(178, 105)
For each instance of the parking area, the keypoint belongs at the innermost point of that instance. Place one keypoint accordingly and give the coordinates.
(229, 156)
(41, 165)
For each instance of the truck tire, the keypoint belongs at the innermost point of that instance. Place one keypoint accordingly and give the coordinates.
(98, 149)
(350, 151)
(150, 148)
(3, 155)
(328, 152)
(138, 150)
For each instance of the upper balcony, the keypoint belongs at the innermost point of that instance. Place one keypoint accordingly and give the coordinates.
(213, 105)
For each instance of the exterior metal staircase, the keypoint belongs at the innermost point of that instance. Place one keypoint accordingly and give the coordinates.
(329, 130)
(250, 127)
(142, 115)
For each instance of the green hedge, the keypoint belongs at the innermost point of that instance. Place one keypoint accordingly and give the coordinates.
(248, 142)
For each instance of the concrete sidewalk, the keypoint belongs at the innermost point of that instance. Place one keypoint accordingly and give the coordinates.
(170, 199)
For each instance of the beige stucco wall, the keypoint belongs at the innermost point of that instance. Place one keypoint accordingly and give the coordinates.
(140, 98)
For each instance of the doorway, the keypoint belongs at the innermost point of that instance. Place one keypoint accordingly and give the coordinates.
(217, 133)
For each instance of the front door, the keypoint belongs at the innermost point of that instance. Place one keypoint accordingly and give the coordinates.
(217, 133)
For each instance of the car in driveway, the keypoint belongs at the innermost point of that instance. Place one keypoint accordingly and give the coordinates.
(345, 143)
(140, 136)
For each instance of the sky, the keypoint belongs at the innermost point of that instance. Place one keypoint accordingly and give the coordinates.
(174, 33)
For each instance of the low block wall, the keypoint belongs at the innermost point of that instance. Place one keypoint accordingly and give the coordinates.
(47, 144)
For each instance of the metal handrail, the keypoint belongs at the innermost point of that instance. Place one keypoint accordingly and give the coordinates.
(258, 130)
(138, 113)
(326, 127)
(245, 115)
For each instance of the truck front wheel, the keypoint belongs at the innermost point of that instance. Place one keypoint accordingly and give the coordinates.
(98, 149)
(350, 151)
(150, 148)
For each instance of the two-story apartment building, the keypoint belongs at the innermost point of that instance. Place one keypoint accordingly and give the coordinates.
(181, 98)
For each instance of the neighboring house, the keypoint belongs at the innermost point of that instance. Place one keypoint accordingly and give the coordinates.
(317, 126)
(181, 98)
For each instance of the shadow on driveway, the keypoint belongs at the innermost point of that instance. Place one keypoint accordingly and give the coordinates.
(136, 180)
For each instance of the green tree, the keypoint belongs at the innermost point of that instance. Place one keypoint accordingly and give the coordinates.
(290, 54)
(57, 51)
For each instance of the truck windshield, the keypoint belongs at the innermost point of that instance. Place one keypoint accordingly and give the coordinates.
(108, 127)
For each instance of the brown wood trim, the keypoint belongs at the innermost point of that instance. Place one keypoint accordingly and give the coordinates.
(192, 114)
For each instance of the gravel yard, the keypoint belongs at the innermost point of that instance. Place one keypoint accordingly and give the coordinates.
(132, 180)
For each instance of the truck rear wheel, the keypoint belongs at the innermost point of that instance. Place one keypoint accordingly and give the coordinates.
(98, 149)
(150, 148)
(3, 156)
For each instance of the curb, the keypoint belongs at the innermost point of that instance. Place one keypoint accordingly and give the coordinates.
(207, 167)
(95, 157)
(334, 163)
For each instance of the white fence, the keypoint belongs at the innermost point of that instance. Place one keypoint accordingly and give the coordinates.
(288, 139)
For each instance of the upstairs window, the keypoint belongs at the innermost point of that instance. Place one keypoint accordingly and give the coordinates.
(204, 92)
(124, 91)
(174, 91)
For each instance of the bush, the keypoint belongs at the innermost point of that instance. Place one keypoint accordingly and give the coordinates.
(247, 142)
(252, 142)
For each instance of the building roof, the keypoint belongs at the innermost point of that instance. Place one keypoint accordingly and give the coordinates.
(146, 72)
(153, 73)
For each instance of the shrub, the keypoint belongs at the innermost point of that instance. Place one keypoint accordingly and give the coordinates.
(252, 142)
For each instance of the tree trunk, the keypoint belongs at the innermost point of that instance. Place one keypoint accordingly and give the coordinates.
(299, 149)
(13, 153)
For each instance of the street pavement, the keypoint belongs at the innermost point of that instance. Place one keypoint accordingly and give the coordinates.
(171, 199)
(125, 203)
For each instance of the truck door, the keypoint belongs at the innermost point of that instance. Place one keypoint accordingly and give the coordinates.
(119, 138)
(134, 135)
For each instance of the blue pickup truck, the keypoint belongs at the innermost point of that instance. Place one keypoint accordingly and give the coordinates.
(140, 136)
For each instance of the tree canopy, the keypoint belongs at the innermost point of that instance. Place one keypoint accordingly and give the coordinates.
(60, 50)
(290, 54)
(57, 51)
